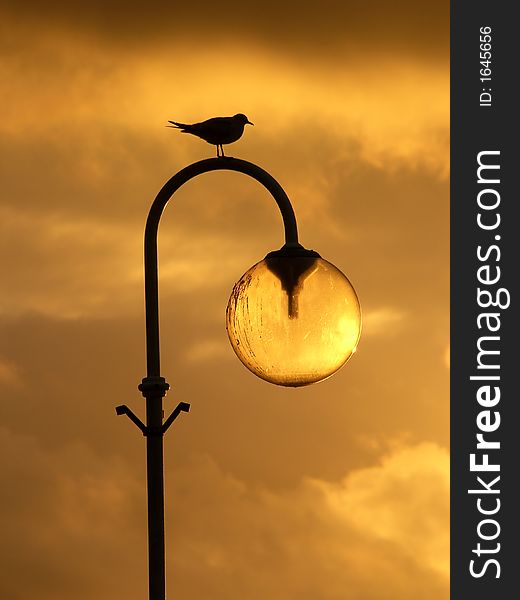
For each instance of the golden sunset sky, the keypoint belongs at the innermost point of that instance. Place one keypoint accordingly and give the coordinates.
(338, 491)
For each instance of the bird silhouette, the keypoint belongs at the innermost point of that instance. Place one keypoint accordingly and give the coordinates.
(216, 131)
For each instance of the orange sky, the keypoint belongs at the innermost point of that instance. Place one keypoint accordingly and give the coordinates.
(338, 491)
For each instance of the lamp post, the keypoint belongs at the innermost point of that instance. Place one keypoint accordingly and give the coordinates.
(274, 299)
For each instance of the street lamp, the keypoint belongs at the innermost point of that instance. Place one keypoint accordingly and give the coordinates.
(292, 319)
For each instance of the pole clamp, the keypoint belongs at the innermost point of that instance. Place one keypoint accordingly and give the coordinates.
(153, 386)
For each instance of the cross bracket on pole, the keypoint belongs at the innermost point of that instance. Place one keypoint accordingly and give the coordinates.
(149, 431)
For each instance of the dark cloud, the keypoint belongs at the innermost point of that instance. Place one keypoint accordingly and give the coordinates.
(314, 28)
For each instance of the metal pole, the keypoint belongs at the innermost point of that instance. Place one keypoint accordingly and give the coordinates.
(154, 392)
(153, 386)
(155, 481)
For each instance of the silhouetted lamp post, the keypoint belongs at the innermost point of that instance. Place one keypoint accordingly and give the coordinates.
(293, 319)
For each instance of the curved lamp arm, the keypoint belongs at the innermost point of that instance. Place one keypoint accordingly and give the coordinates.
(152, 225)
(154, 387)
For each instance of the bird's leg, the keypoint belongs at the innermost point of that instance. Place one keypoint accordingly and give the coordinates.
(222, 150)
(218, 150)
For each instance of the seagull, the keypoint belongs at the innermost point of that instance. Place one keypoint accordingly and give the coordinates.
(217, 131)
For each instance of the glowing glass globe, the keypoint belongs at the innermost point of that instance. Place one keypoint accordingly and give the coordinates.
(293, 319)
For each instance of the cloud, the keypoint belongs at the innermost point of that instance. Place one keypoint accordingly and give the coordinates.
(385, 320)
(371, 533)
(381, 531)
(312, 29)
(94, 100)
(9, 374)
(77, 189)
(403, 500)
(62, 267)
(209, 349)
(64, 517)
(76, 266)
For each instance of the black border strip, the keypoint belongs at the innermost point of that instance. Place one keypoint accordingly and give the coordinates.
(484, 125)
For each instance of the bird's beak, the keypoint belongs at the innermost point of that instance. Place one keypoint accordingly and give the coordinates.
(250, 123)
